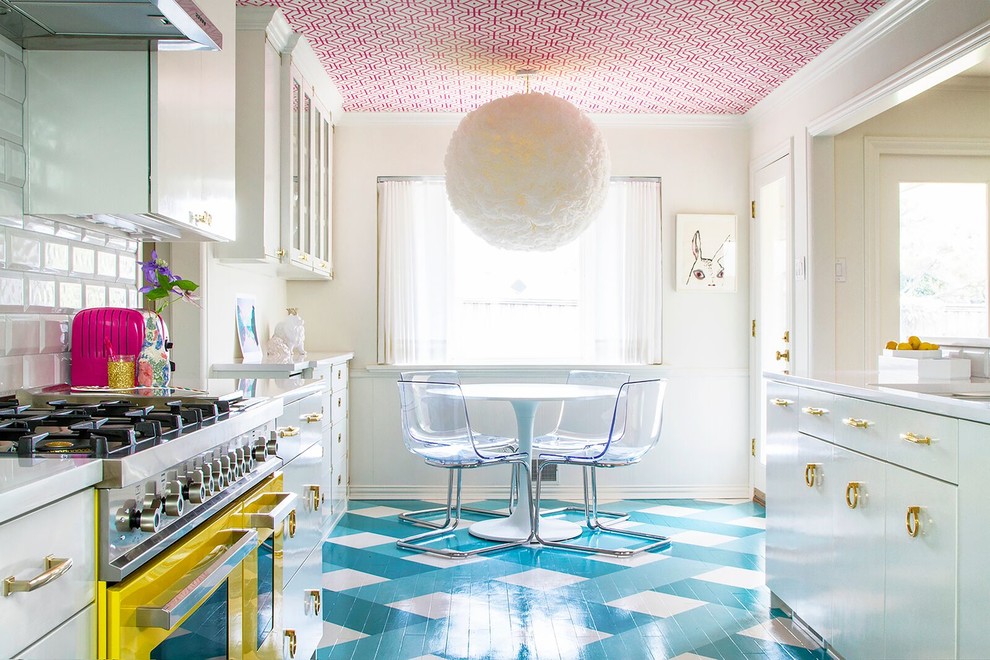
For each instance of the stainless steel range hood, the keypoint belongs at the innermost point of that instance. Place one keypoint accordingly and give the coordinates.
(108, 25)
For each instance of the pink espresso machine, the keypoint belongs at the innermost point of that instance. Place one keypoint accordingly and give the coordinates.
(99, 332)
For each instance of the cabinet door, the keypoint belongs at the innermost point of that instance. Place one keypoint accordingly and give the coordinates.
(302, 474)
(817, 489)
(920, 593)
(784, 567)
(322, 161)
(858, 576)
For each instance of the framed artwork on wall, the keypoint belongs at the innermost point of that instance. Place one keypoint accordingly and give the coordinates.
(705, 252)
(247, 328)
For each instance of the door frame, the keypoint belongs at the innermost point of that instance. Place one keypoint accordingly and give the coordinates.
(874, 149)
(782, 155)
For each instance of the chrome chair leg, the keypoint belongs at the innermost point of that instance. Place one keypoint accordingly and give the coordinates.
(616, 517)
(417, 517)
(420, 542)
(655, 540)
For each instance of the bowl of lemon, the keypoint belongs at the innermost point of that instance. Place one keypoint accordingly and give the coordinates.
(912, 348)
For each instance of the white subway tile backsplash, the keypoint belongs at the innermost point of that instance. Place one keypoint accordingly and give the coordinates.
(118, 243)
(95, 295)
(14, 79)
(63, 364)
(24, 251)
(56, 256)
(39, 225)
(106, 264)
(40, 370)
(70, 295)
(41, 294)
(127, 265)
(132, 298)
(55, 334)
(93, 237)
(83, 260)
(11, 124)
(11, 374)
(13, 221)
(3, 247)
(23, 334)
(70, 232)
(12, 290)
(116, 296)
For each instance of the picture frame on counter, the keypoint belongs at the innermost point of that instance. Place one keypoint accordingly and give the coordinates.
(247, 328)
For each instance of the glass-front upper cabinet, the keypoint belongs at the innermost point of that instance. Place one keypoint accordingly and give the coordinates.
(310, 142)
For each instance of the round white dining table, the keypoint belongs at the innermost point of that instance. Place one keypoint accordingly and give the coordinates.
(526, 399)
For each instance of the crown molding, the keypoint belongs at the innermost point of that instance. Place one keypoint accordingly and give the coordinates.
(874, 27)
(619, 120)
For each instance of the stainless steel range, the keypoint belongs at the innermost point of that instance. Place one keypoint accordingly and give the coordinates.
(172, 457)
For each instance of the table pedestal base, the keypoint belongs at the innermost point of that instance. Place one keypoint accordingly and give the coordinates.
(507, 529)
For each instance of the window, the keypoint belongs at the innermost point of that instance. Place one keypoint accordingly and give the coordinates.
(447, 297)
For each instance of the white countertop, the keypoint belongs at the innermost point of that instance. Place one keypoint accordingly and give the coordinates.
(310, 360)
(929, 397)
(30, 483)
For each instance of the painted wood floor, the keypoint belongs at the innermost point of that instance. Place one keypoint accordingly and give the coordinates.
(704, 597)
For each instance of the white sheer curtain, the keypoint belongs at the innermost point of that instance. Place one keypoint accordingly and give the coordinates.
(618, 307)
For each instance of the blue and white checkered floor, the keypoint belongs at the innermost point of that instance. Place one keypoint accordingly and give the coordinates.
(704, 597)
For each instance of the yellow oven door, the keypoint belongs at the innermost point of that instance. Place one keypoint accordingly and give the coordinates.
(187, 604)
(265, 510)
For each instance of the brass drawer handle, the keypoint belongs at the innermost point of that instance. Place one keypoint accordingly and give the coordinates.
(314, 594)
(817, 412)
(314, 491)
(340, 401)
(313, 417)
(288, 432)
(916, 439)
(852, 494)
(292, 524)
(55, 567)
(290, 635)
(339, 437)
(913, 521)
(857, 423)
(783, 403)
(810, 474)
(784, 355)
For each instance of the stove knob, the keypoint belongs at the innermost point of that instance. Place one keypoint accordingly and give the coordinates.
(221, 475)
(258, 453)
(243, 460)
(235, 465)
(271, 447)
(150, 519)
(194, 488)
(208, 476)
(173, 499)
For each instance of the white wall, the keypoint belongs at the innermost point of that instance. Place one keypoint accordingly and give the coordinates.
(705, 444)
(903, 49)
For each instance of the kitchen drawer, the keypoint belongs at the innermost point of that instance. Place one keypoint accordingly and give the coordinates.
(816, 416)
(64, 530)
(338, 377)
(924, 442)
(76, 638)
(305, 477)
(302, 607)
(860, 425)
(338, 406)
(300, 425)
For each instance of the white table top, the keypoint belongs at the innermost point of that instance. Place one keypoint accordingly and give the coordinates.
(535, 391)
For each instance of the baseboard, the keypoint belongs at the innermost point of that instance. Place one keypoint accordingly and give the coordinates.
(570, 493)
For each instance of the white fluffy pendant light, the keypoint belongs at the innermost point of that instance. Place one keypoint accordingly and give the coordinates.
(527, 172)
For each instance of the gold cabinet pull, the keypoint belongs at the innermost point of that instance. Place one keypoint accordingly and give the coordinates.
(783, 403)
(852, 494)
(340, 401)
(290, 635)
(314, 491)
(810, 474)
(857, 423)
(313, 417)
(340, 437)
(785, 355)
(288, 432)
(817, 412)
(916, 439)
(55, 567)
(314, 594)
(913, 521)
(292, 524)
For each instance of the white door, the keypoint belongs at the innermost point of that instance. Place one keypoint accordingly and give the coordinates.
(933, 247)
(770, 347)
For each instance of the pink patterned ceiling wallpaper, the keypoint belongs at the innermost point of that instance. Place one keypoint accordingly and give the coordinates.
(604, 56)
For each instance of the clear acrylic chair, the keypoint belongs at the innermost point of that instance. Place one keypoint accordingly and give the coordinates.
(581, 424)
(421, 517)
(635, 430)
(435, 426)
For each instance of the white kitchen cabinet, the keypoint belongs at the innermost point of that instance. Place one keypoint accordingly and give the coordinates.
(135, 133)
(56, 541)
(285, 110)
(302, 605)
(867, 544)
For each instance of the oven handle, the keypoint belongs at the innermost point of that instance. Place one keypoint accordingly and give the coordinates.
(270, 520)
(168, 615)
